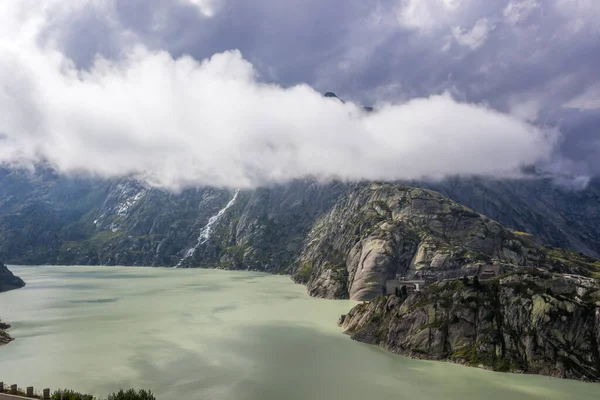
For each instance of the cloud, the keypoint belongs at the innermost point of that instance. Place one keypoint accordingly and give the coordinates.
(207, 8)
(588, 100)
(427, 15)
(541, 54)
(475, 37)
(517, 11)
(177, 122)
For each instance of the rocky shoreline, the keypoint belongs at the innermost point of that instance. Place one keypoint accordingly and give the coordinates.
(8, 281)
(531, 322)
(4, 336)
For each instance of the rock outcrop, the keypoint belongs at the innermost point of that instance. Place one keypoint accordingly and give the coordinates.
(4, 336)
(558, 215)
(8, 281)
(533, 322)
(378, 231)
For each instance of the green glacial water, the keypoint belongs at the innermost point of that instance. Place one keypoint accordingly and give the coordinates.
(204, 334)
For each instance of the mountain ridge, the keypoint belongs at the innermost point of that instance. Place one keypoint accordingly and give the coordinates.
(46, 218)
(378, 231)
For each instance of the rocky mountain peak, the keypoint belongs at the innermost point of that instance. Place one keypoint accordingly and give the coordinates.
(332, 95)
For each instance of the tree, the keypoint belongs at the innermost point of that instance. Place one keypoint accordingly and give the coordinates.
(476, 283)
(131, 394)
(397, 291)
(404, 292)
(68, 394)
(466, 279)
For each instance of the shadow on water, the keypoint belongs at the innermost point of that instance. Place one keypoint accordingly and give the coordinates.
(224, 308)
(110, 274)
(206, 286)
(297, 363)
(91, 301)
(66, 285)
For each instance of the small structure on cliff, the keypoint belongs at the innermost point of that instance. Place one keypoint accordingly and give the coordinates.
(489, 271)
(411, 285)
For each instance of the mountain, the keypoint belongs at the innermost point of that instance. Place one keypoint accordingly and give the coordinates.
(46, 218)
(50, 219)
(558, 215)
(530, 322)
(378, 231)
(332, 96)
(347, 240)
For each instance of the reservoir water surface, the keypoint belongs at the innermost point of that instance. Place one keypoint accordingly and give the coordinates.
(206, 334)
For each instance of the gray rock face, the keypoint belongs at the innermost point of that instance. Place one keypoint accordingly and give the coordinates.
(4, 336)
(8, 281)
(557, 215)
(378, 231)
(50, 219)
(528, 322)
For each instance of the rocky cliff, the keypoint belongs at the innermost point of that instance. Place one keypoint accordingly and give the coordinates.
(265, 229)
(378, 231)
(532, 322)
(8, 281)
(559, 215)
(50, 219)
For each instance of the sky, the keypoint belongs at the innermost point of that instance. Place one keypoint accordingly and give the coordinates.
(228, 93)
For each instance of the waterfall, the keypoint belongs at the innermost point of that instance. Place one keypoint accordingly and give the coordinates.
(207, 230)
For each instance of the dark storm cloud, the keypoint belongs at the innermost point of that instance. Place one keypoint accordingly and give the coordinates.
(287, 41)
(358, 48)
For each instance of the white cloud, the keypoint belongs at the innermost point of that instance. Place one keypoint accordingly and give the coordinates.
(517, 11)
(427, 15)
(588, 100)
(580, 15)
(475, 37)
(207, 8)
(179, 122)
(526, 107)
